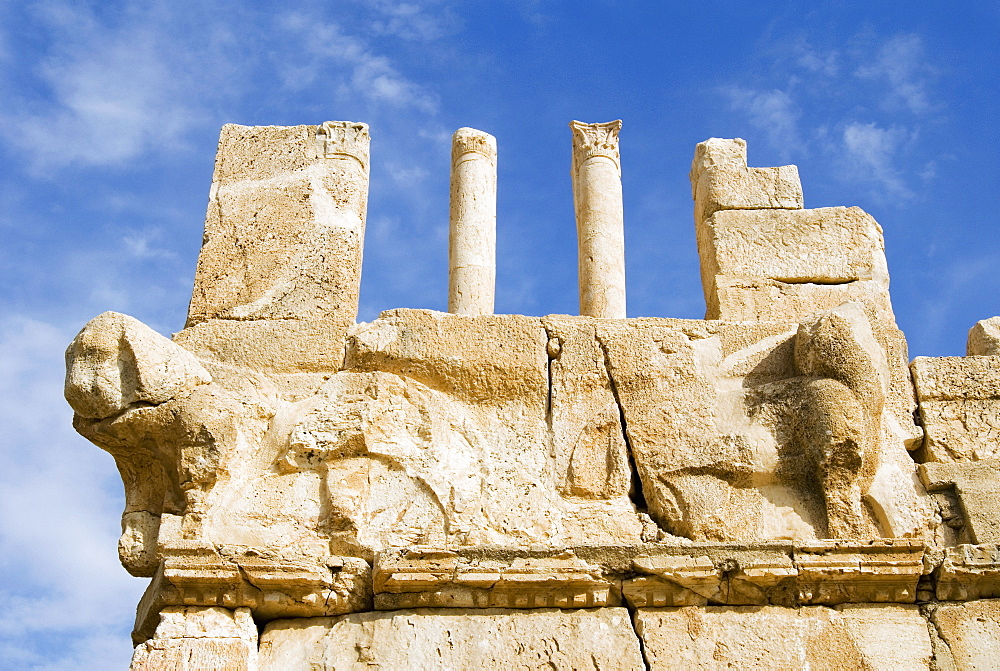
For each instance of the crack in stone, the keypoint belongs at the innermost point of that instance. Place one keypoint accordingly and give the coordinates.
(635, 491)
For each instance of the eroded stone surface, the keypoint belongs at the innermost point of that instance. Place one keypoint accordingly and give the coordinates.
(984, 338)
(116, 362)
(959, 406)
(285, 224)
(771, 637)
(971, 632)
(282, 461)
(455, 639)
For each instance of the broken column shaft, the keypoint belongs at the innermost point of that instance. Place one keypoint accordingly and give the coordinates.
(472, 241)
(600, 227)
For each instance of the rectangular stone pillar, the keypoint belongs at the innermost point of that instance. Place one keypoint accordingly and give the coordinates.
(192, 637)
(473, 223)
(284, 231)
(600, 221)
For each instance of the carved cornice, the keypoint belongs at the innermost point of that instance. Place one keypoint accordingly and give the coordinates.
(595, 139)
(345, 139)
(470, 140)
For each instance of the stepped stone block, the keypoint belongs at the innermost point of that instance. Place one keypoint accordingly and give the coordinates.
(721, 180)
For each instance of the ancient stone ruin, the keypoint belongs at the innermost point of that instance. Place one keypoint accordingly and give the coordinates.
(775, 486)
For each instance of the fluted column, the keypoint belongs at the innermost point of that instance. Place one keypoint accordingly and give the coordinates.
(473, 237)
(600, 224)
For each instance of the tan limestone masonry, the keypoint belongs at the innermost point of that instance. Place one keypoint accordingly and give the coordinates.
(775, 486)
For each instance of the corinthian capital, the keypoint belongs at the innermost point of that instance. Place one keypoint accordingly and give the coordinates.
(340, 139)
(595, 139)
(467, 140)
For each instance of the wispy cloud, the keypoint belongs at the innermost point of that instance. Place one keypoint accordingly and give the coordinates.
(104, 94)
(871, 153)
(418, 21)
(901, 67)
(774, 112)
(367, 75)
(837, 100)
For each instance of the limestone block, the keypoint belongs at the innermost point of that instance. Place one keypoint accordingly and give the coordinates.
(739, 299)
(270, 346)
(718, 418)
(488, 358)
(721, 180)
(200, 638)
(455, 639)
(827, 246)
(971, 631)
(959, 399)
(285, 225)
(984, 338)
(975, 484)
(885, 636)
(116, 361)
(694, 432)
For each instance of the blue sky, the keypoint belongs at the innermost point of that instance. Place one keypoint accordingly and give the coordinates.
(110, 113)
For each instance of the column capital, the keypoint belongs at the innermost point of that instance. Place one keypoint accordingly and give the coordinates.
(595, 139)
(469, 140)
(340, 139)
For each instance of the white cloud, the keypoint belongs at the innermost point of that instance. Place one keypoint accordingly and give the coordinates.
(871, 152)
(146, 244)
(417, 21)
(365, 74)
(846, 102)
(105, 93)
(899, 63)
(773, 112)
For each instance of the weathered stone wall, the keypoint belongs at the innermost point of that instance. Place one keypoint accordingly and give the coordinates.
(774, 486)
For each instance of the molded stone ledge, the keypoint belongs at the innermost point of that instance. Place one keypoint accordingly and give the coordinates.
(823, 572)
(720, 575)
(439, 578)
(270, 587)
(883, 571)
(969, 572)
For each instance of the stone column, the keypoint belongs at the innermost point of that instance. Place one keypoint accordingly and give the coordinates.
(600, 224)
(472, 243)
